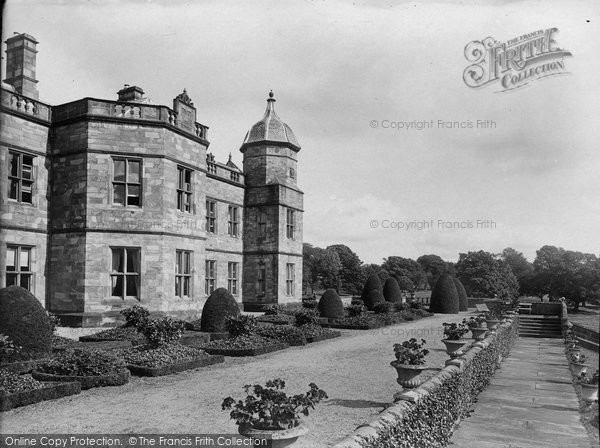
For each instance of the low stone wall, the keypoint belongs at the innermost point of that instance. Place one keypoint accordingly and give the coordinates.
(587, 338)
(408, 421)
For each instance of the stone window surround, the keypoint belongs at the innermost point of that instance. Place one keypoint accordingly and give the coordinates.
(262, 221)
(183, 192)
(124, 297)
(212, 217)
(181, 274)
(233, 274)
(126, 182)
(18, 248)
(233, 221)
(290, 230)
(290, 279)
(210, 277)
(19, 178)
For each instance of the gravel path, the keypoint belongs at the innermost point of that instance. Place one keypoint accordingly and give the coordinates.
(354, 370)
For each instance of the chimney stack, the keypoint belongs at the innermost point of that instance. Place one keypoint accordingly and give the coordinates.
(20, 64)
(132, 94)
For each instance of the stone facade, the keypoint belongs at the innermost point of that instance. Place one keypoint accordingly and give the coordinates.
(128, 207)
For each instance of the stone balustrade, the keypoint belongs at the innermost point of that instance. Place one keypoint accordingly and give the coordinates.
(126, 111)
(25, 105)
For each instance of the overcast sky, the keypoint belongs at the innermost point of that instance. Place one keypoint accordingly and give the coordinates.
(335, 67)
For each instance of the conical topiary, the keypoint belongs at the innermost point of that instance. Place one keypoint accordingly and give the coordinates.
(330, 305)
(25, 321)
(444, 297)
(374, 297)
(391, 291)
(463, 302)
(372, 282)
(219, 306)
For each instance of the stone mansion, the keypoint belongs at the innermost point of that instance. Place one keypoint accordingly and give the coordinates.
(105, 204)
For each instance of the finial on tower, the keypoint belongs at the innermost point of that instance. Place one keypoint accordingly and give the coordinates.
(271, 95)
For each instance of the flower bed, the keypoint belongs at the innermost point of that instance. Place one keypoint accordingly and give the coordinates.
(166, 359)
(90, 368)
(60, 344)
(316, 333)
(277, 319)
(426, 416)
(21, 366)
(252, 345)
(283, 333)
(116, 334)
(22, 390)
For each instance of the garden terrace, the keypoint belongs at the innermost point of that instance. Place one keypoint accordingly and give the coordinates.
(353, 369)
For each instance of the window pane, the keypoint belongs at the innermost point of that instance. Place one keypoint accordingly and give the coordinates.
(11, 279)
(119, 166)
(24, 259)
(186, 286)
(177, 286)
(14, 164)
(11, 259)
(133, 195)
(132, 260)
(188, 202)
(132, 290)
(186, 262)
(26, 189)
(119, 194)
(117, 285)
(26, 281)
(13, 189)
(179, 200)
(134, 171)
(117, 260)
(178, 262)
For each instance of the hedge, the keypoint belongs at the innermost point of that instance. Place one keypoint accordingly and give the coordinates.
(87, 382)
(441, 402)
(255, 351)
(175, 368)
(48, 392)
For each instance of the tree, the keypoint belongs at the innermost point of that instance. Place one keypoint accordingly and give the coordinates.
(369, 269)
(398, 267)
(351, 274)
(565, 273)
(433, 266)
(518, 264)
(391, 291)
(321, 267)
(485, 275)
(444, 296)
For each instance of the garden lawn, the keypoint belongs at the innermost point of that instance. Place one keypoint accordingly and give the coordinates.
(354, 370)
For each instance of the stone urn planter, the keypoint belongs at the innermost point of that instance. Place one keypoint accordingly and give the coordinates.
(578, 368)
(453, 347)
(589, 392)
(492, 324)
(408, 375)
(280, 438)
(479, 333)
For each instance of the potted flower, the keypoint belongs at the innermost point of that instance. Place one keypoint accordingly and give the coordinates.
(493, 319)
(268, 412)
(477, 326)
(577, 363)
(589, 386)
(453, 341)
(410, 357)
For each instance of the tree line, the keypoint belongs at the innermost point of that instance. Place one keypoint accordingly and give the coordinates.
(555, 271)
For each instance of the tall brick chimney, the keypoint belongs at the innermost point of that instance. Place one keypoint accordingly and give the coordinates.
(20, 64)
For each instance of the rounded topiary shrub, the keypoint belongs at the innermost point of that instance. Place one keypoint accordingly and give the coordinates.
(219, 306)
(463, 303)
(391, 291)
(372, 282)
(330, 305)
(25, 321)
(374, 297)
(444, 297)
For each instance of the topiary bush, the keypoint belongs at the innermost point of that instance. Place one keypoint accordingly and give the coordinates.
(273, 309)
(219, 306)
(444, 297)
(391, 291)
(330, 305)
(463, 302)
(241, 325)
(372, 283)
(135, 316)
(356, 310)
(25, 321)
(374, 297)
